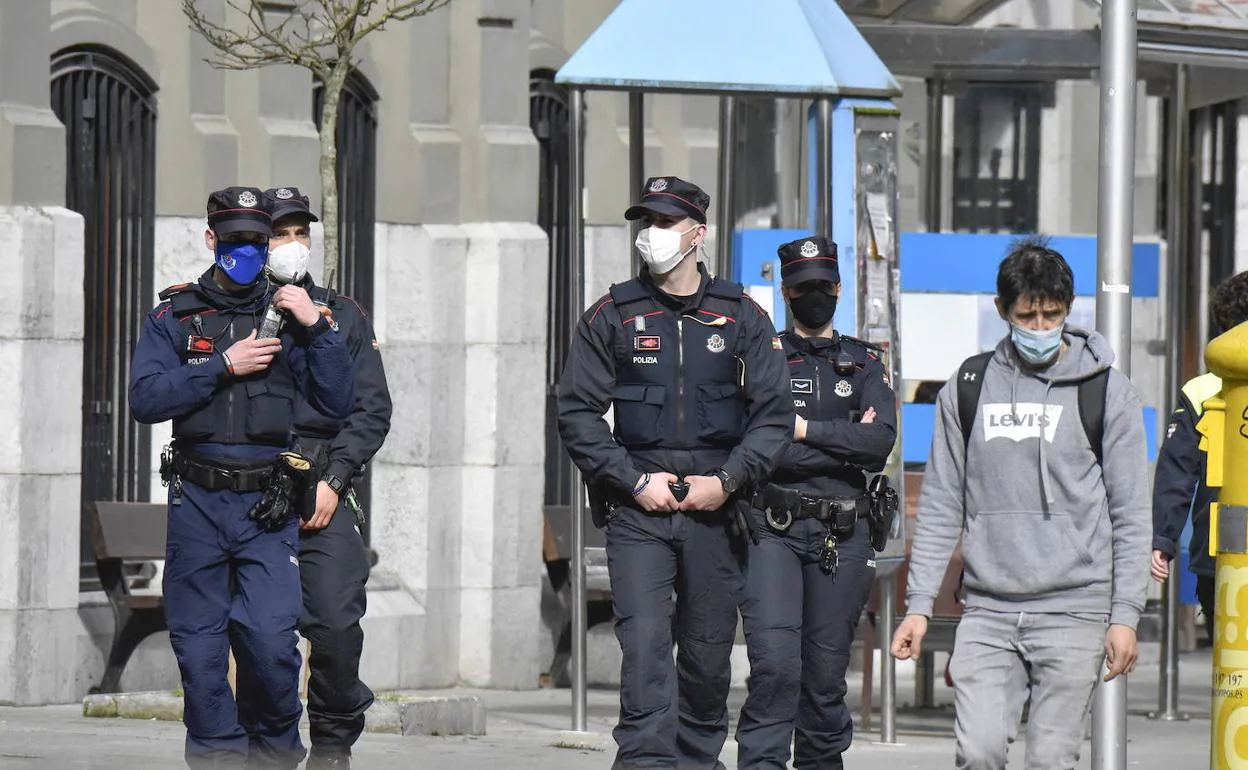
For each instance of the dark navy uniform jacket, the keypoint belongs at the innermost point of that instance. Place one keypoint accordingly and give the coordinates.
(838, 448)
(179, 374)
(696, 383)
(1179, 487)
(353, 440)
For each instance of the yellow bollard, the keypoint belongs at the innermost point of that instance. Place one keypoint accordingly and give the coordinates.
(1224, 430)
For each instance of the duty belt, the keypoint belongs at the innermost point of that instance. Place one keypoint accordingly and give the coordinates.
(783, 506)
(223, 474)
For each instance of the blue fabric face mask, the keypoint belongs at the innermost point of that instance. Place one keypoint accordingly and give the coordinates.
(242, 262)
(1036, 347)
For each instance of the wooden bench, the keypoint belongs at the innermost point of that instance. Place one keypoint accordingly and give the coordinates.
(557, 554)
(121, 533)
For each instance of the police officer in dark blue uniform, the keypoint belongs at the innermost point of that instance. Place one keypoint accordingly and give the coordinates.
(231, 577)
(810, 573)
(333, 560)
(694, 372)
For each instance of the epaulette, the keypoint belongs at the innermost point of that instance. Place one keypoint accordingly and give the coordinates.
(728, 290)
(630, 291)
(185, 299)
(863, 343)
(323, 295)
(174, 289)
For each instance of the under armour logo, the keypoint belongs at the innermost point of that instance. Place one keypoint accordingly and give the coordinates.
(968, 376)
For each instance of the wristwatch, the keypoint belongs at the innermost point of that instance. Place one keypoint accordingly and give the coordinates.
(728, 481)
(334, 483)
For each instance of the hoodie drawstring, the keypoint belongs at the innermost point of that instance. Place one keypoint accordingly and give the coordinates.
(1046, 483)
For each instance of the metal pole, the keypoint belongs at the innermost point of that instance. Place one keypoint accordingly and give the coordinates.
(576, 258)
(1176, 246)
(636, 163)
(725, 220)
(788, 163)
(933, 154)
(1113, 293)
(888, 667)
(823, 168)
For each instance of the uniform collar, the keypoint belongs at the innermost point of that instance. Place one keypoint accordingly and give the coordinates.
(679, 305)
(812, 345)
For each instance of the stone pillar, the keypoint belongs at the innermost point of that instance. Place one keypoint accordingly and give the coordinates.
(504, 454)
(491, 110)
(40, 344)
(438, 145)
(416, 517)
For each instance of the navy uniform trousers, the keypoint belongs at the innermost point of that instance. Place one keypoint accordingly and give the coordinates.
(673, 716)
(799, 628)
(230, 585)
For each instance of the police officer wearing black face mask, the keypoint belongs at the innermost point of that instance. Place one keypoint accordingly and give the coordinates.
(694, 372)
(809, 576)
(232, 572)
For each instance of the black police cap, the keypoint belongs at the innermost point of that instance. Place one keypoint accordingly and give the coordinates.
(238, 210)
(808, 259)
(671, 196)
(284, 201)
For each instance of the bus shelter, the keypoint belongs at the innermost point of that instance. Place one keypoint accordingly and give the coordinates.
(731, 49)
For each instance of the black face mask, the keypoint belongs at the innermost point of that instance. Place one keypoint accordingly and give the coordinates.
(813, 309)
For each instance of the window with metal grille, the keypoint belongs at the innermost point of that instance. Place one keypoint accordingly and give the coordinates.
(108, 107)
(549, 119)
(996, 157)
(357, 210)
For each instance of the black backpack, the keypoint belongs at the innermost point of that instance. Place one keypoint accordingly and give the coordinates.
(1091, 400)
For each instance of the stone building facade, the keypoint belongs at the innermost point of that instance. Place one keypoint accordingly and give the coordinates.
(112, 131)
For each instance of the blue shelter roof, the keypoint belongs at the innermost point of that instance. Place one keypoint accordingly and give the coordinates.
(774, 47)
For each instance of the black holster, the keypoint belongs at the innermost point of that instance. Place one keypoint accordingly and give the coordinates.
(884, 505)
(291, 492)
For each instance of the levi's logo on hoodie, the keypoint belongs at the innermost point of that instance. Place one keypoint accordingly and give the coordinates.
(1023, 421)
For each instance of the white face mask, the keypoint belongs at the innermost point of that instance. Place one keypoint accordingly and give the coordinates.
(289, 262)
(661, 248)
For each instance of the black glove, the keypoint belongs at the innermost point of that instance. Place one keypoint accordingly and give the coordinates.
(884, 505)
(287, 494)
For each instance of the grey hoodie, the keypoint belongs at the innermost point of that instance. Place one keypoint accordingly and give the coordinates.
(1044, 527)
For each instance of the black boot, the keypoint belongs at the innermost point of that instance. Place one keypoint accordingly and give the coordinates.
(328, 760)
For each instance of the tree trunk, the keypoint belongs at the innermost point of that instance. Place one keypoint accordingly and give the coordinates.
(329, 169)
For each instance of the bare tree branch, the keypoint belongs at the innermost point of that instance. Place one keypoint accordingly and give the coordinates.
(398, 11)
(320, 36)
(261, 44)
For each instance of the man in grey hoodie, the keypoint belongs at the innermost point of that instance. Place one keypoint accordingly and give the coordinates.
(1055, 541)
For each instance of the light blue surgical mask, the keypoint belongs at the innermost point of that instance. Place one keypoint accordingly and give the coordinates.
(242, 262)
(1036, 347)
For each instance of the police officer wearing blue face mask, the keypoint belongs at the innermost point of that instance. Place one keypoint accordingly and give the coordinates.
(231, 571)
(811, 572)
(694, 372)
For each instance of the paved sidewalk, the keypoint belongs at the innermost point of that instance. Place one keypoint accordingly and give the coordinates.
(524, 726)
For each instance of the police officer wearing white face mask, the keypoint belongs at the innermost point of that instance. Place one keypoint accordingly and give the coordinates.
(333, 561)
(698, 383)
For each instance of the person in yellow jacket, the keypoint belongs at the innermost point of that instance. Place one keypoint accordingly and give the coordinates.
(1179, 488)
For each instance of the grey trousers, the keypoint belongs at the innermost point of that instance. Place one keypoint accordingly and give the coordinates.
(1001, 658)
